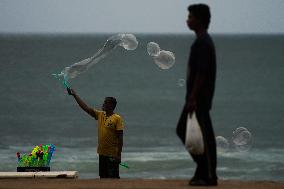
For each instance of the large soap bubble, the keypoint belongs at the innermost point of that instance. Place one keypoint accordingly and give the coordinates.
(164, 59)
(127, 41)
(242, 139)
(222, 144)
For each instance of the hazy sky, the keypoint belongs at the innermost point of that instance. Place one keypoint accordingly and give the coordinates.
(139, 16)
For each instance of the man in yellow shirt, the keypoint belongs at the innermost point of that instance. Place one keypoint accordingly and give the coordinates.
(110, 135)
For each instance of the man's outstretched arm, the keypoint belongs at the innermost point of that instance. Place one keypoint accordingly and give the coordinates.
(81, 103)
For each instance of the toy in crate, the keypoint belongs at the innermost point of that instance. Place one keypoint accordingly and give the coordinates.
(37, 160)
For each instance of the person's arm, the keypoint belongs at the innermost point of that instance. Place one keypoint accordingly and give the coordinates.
(82, 104)
(197, 85)
(119, 145)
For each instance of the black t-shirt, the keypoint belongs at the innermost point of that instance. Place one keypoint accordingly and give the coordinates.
(202, 60)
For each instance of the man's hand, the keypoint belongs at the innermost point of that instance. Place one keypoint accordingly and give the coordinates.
(191, 106)
(117, 158)
(70, 91)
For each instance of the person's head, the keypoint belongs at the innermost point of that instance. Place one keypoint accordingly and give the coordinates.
(109, 104)
(199, 16)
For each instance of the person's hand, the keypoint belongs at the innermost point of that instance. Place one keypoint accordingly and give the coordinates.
(117, 159)
(191, 106)
(70, 91)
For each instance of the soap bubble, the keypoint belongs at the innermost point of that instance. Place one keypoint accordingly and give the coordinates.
(240, 129)
(127, 41)
(241, 136)
(164, 59)
(181, 82)
(242, 139)
(153, 49)
(222, 144)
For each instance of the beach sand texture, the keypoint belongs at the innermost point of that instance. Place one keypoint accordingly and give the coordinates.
(129, 184)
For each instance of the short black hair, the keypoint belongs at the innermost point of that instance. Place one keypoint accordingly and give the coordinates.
(201, 12)
(113, 101)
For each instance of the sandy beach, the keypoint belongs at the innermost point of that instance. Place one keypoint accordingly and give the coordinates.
(129, 184)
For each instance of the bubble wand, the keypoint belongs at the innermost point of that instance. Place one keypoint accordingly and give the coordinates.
(64, 82)
(121, 164)
(124, 165)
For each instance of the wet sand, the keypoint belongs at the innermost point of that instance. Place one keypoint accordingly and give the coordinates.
(129, 184)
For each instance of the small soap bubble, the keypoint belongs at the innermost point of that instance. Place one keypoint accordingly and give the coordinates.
(153, 49)
(165, 59)
(222, 144)
(242, 139)
(181, 82)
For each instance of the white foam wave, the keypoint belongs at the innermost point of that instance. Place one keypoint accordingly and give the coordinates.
(155, 156)
(269, 155)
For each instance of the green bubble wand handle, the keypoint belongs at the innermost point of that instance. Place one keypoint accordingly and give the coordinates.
(121, 164)
(124, 165)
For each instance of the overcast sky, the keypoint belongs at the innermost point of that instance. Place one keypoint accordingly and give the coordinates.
(138, 16)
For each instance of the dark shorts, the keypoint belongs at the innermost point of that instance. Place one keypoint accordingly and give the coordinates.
(108, 168)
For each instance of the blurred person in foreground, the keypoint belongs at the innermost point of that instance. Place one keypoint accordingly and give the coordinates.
(201, 76)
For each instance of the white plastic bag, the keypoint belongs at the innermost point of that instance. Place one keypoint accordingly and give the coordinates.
(194, 140)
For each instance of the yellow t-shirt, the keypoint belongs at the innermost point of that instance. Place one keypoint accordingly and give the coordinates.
(107, 136)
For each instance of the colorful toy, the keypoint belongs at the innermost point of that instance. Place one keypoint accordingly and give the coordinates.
(39, 157)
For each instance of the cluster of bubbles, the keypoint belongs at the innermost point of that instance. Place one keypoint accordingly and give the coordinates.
(240, 141)
(127, 41)
(162, 58)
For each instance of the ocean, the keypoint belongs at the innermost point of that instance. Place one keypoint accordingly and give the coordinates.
(35, 108)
